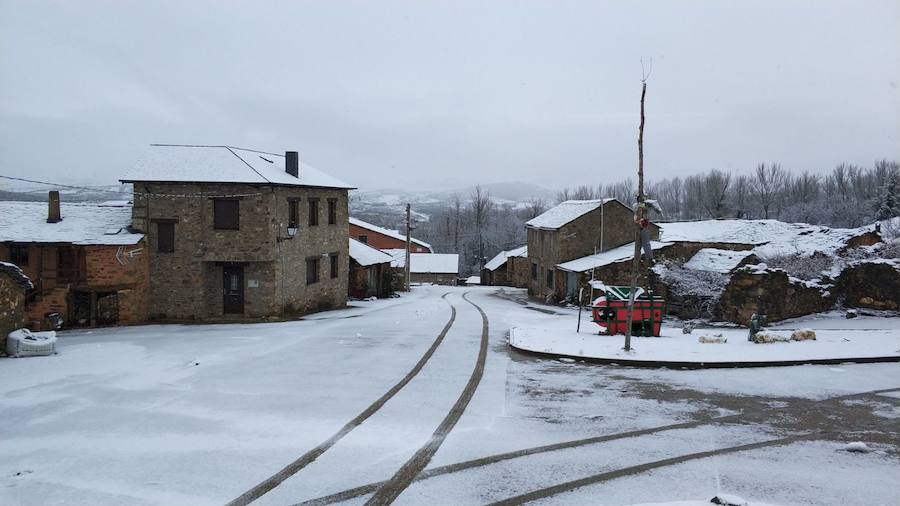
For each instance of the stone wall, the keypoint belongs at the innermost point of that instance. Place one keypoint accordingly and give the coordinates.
(13, 285)
(773, 293)
(433, 278)
(872, 284)
(187, 284)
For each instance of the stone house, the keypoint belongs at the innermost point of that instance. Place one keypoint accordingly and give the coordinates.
(384, 238)
(433, 268)
(236, 233)
(507, 268)
(86, 264)
(370, 271)
(14, 284)
(571, 230)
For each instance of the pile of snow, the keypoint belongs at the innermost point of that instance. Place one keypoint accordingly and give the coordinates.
(365, 255)
(223, 164)
(501, 257)
(771, 237)
(565, 212)
(716, 260)
(857, 447)
(82, 224)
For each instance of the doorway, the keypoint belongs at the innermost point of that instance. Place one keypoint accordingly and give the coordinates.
(233, 289)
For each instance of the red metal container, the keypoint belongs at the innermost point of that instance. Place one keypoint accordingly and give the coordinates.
(611, 311)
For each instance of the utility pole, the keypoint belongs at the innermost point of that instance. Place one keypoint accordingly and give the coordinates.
(638, 212)
(408, 232)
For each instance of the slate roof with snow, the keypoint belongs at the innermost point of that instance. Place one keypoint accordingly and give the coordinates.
(771, 237)
(500, 259)
(612, 256)
(82, 224)
(565, 212)
(365, 255)
(223, 164)
(398, 255)
(716, 260)
(388, 232)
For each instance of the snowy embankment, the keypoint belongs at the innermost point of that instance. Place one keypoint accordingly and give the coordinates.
(837, 339)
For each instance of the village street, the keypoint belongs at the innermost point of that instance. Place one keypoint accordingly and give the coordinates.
(325, 409)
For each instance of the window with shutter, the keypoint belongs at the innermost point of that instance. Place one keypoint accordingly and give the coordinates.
(226, 214)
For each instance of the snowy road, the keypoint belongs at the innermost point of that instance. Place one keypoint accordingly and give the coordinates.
(334, 406)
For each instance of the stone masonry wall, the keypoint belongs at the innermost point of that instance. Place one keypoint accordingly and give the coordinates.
(187, 283)
(12, 307)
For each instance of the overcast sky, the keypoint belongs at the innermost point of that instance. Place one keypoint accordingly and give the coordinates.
(429, 94)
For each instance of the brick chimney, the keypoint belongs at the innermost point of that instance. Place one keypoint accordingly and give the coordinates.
(292, 163)
(53, 214)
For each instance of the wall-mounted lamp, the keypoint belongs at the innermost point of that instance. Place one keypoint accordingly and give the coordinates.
(291, 231)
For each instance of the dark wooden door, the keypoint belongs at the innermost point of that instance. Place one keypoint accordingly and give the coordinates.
(233, 289)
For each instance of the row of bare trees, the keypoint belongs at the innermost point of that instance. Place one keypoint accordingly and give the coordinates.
(848, 196)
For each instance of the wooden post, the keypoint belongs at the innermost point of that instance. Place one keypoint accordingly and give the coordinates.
(407, 247)
(638, 216)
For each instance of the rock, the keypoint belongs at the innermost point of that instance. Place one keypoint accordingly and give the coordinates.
(871, 283)
(852, 313)
(687, 328)
(716, 339)
(753, 290)
(857, 447)
(769, 337)
(728, 500)
(803, 335)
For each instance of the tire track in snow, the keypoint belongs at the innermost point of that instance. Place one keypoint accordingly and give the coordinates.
(642, 468)
(307, 458)
(392, 488)
(493, 459)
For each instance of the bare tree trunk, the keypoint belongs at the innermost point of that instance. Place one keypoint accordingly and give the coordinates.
(638, 216)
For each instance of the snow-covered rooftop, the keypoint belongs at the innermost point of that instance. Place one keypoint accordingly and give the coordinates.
(386, 231)
(771, 237)
(501, 257)
(716, 260)
(223, 164)
(612, 256)
(366, 255)
(82, 224)
(437, 263)
(565, 212)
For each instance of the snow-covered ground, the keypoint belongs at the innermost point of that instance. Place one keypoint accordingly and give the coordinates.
(836, 338)
(198, 414)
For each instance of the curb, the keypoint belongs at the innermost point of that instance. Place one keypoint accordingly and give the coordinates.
(662, 364)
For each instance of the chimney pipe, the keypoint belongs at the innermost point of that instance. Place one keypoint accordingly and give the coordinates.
(53, 214)
(292, 163)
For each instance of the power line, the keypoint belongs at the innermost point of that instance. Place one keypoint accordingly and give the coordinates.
(59, 184)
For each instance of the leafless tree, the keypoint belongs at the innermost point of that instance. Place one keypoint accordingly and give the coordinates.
(481, 205)
(768, 185)
(534, 208)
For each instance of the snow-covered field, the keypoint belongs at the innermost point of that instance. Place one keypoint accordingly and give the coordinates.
(199, 414)
(836, 338)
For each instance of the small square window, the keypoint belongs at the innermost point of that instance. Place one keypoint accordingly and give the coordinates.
(165, 237)
(363, 239)
(534, 271)
(313, 213)
(226, 214)
(312, 270)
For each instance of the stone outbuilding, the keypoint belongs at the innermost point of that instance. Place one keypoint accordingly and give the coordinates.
(507, 268)
(370, 271)
(570, 230)
(239, 234)
(433, 268)
(756, 289)
(14, 284)
(86, 264)
(871, 284)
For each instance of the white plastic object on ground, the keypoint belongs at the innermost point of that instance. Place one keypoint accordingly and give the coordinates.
(25, 343)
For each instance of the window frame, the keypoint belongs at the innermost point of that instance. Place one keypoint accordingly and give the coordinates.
(550, 278)
(535, 274)
(312, 274)
(293, 213)
(332, 211)
(219, 217)
(363, 238)
(313, 218)
(334, 265)
(168, 224)
(18, 252)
